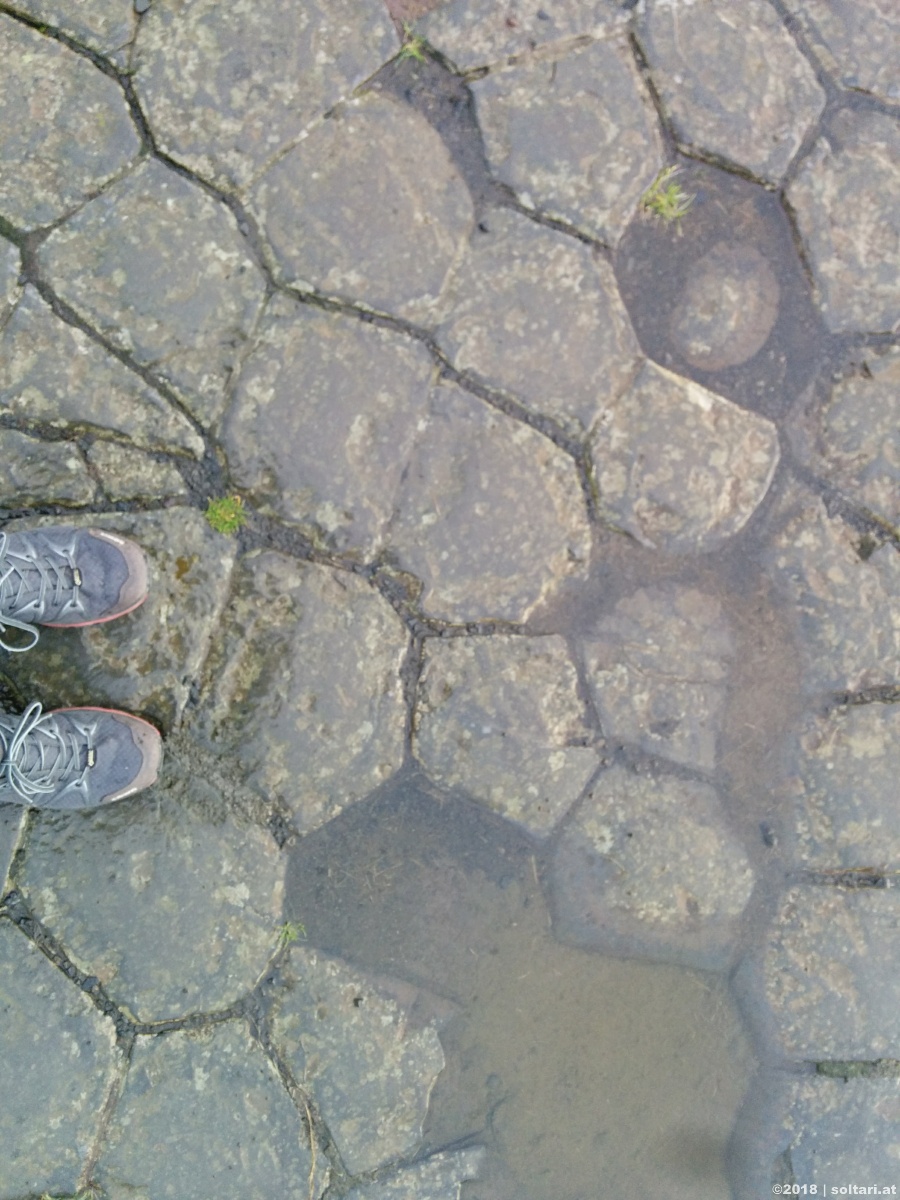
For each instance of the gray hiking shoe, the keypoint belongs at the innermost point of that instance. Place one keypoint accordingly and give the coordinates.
(75, 757)
(66, 576)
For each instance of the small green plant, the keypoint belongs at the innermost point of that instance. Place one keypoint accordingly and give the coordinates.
(413, 45)
(290, 931)
(665, 199)
(226, 515)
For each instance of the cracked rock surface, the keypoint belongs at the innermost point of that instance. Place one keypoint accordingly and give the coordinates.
(505, 399)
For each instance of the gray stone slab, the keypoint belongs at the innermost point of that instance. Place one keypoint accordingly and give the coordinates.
(853, 441)
(323, 422)
(104, 25)
(437, 1178)
(128, 474)
(227, 88)
(59, 1057)
(501, 717)
(658, 668)
(846, 197)
(304, 685)
(846, 600)
(680, 467)
(146, 661)
(370, 1069)
(204, 1115)
(54, 374)
(576, 137)
(846, 773)
(844, 1134)
(160, 268)
(369, 206)
(537, 314)
(65, 130)
(11, 818)
(187, 914)
(857, 40)
(830, 974)
(10, 288)
(650, 865)
(733, 80)
(476, 33)
(33, 472)
(490, 516)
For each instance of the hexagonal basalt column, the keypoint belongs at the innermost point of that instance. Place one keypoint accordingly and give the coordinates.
(845, 792)
(649, 863)
(104, 25)
(830, 974)
(678, 466)
(847, 598)
(160, 268)
(369, 1068)
(490, 515)
(205, 1115)
(148, 660)
(306, 685)
(733, 80)
(501, 717)
(538, 315)
(476, 33)
(64, 128)
(577, 138)
(35, 472)
(859, 43)
(847, 200)
(227, 88)
(53, 373)
(324, 420)
(187, 913)
(59, 1056)
(369, 206)
(658, 669)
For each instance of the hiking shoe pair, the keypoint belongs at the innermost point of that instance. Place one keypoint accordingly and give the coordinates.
(74, 757)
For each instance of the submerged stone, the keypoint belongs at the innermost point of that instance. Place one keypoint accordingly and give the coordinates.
(678, 466)
(229, 87)
(324, 419)
(202, 1115)
(59, 1057)
(658, 668)
(490, 514)
(162, 270)
(577, 138)
(65, 129)
(846, 196)
(501, 717)
(733, 80)
(304, 685)
(537, 314)
(369, 206)
(649, 864)
(369, 1067)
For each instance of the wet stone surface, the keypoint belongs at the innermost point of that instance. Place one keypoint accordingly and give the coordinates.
(64, 128)
(384, 230)
(501, 718)
(575, 137)
(213, 1120)
(162, 271)
(539, 725)
(62, 1055)
(537, 315)
(324, 420)
(733, 81)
